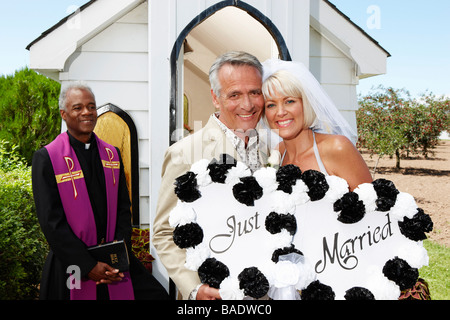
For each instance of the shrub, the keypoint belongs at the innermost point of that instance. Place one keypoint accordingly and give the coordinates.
(22, 245)
(29, 111)
(9, 157)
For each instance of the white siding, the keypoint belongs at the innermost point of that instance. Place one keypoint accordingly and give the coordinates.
(336, 72)
(109, 66)
(115, 64)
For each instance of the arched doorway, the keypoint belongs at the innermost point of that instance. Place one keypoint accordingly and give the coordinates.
(116, 127)
(227, 25)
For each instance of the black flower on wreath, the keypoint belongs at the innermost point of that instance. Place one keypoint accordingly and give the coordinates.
(186, 187)
(317, 184)
(358, 293)
(218, 169)
(351, 208)
(188, 235)
(276, 222)
(386, 194)
(318, 291)
(212, 272)
(253, 282)
(415, 228)
(284, 251)
(287, 177)
(399, 271)
(247, 191)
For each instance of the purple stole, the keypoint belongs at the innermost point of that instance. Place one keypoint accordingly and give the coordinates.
(77, 206)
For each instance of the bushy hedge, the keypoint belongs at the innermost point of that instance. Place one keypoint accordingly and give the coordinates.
(22, 245)
(29, 111)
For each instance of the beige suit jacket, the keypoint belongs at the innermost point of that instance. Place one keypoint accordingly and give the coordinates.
(208, 143)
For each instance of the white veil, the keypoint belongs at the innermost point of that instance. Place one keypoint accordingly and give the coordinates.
(329, 119)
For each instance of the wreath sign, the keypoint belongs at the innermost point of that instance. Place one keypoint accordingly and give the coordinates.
(293, 235)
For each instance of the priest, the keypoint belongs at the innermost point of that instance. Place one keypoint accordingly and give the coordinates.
(81, 201)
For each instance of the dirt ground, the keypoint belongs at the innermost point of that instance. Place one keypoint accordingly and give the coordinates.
(428, 180)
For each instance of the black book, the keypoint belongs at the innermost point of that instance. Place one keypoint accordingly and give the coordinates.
(113, 253)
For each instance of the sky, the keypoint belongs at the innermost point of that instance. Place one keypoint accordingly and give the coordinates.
(415, 32)
(21, 22)
(417, 35)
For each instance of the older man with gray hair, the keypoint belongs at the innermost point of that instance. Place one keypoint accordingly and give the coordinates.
(81, 201)
(236, 81)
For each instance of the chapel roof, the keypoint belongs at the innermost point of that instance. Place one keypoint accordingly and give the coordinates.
(61, 22)
(356, 26)
(86, 5)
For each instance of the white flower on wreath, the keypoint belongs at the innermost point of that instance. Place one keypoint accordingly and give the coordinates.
(367, 195)
(229, 289)
(267, 179)
(300, 193)
(236, 173)
(279, 240)
(414, 253)
(286, 274)
(274, 159)
(380, 286)
(200, 168)
(405, 206)
(182, 214)
(338, 187)
(284, 203)
(195, 256)
(291, 273)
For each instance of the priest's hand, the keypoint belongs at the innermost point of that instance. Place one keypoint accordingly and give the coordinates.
(104, 273)
(205, 292)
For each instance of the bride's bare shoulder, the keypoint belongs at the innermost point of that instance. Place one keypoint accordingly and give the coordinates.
(334, 145)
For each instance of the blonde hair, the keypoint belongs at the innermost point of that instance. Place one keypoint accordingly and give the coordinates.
(284, 83)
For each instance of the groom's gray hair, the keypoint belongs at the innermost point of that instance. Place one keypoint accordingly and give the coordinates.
(234, 58)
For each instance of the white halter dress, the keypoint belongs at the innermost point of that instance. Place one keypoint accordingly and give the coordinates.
(316, 153)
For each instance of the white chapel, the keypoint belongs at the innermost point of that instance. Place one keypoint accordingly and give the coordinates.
(151, 59)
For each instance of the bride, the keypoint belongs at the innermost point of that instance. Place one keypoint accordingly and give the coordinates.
(315, 135)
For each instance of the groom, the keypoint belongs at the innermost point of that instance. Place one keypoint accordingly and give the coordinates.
(236, 80)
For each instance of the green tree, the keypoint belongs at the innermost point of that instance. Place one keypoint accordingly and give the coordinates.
(381, 122)
(29, 111)
(390, 122)
(428, 119)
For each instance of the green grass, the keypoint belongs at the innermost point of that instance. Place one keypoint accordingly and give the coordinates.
(437, 273)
